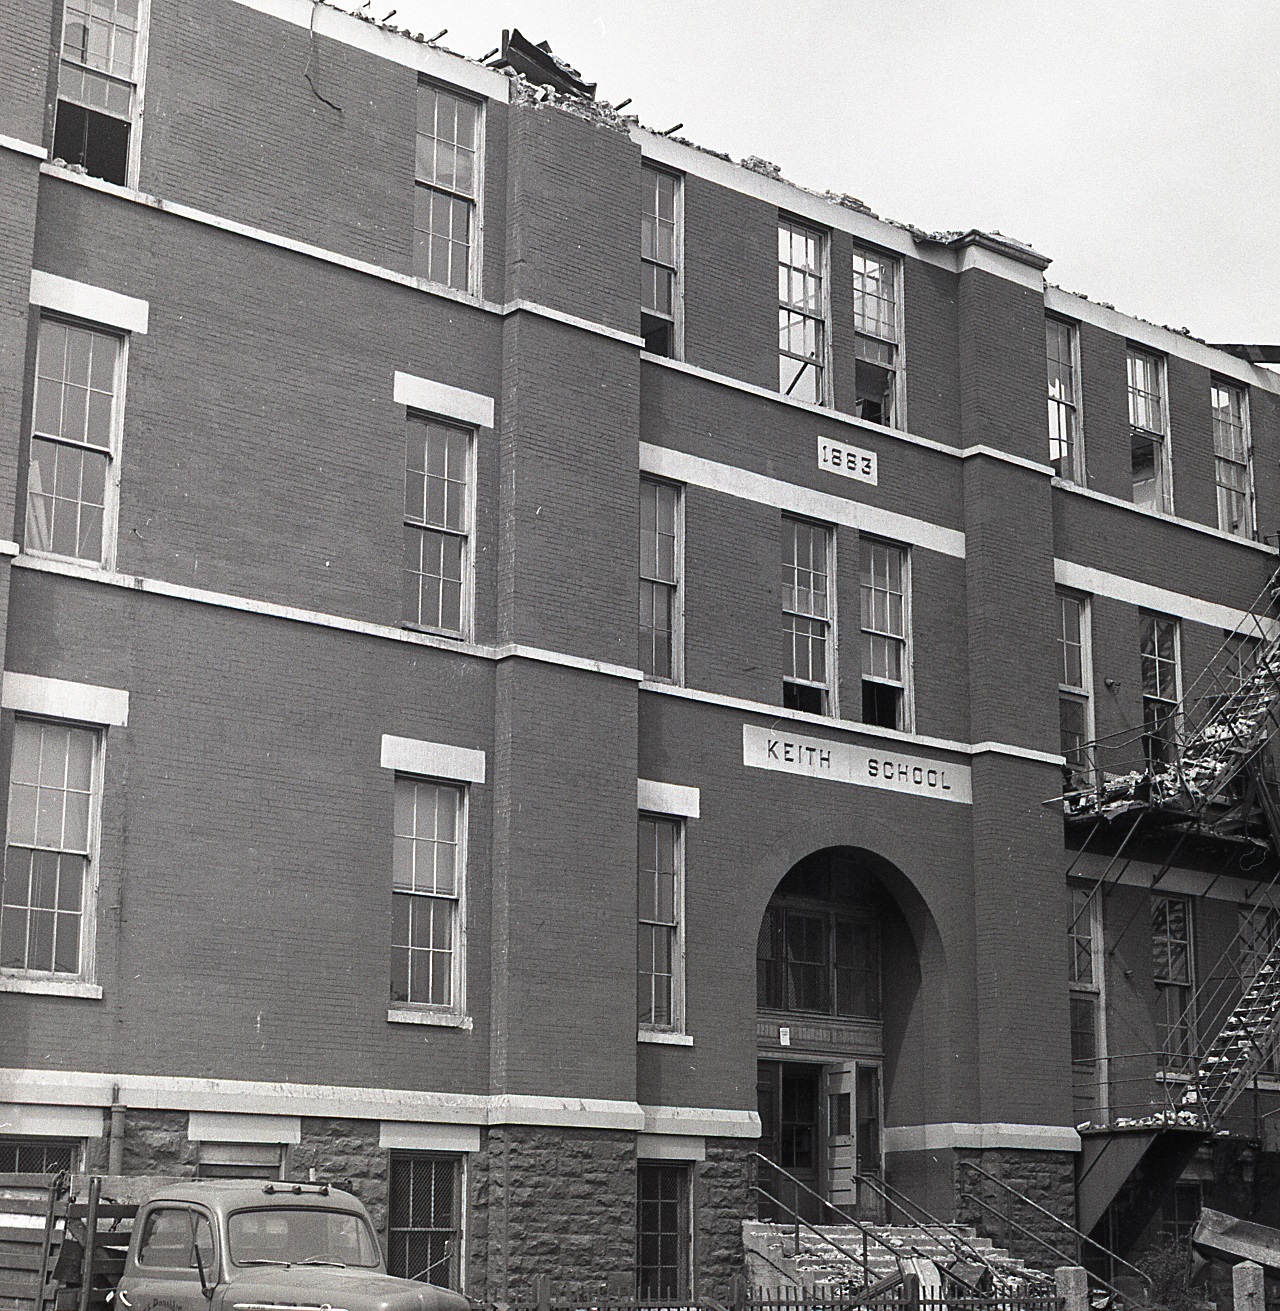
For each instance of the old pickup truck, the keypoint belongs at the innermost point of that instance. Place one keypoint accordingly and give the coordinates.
(226, 1245)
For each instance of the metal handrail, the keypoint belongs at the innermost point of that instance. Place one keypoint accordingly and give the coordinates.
(896, 1197)
(800, 1220)
(1093, 1242)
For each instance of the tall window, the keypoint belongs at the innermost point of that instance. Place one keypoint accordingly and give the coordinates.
(802, 312)
(1073, 688)
(662, 1230)
(1085, 944)
(446, 197)
(437, 525)
(877, 342)
(102, 44)
(1160, 688)
(1061, 347)
(884, 634)
(812, 959)
(1259, 937)
(428, 871)
(806, 616)
(424, 1218)
(660, 262)
(1232, 458)
(1148, 430)
(659, 579)
(70, 482)
(660, 901)
(1173, 970)
(46, 909)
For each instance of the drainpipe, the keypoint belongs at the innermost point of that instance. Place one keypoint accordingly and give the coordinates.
(115, 1138)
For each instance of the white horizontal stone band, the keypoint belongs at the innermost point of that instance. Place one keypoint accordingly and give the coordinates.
(51, 1121)
(87, 1088)
(432, 759)
(670, 1147)
(794, 499)
(933, 1137)
(83, 301)
(59, 699)
(668, 798)
(224, 1127)
(425, 394)
(1083, 578)
(20, 147)
(429, 1137)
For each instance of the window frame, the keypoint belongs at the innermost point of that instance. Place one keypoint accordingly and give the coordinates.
(1175, 705)
(111, 484)
(1163, 503)
(831, 688)
(466, 629)
(459, 1162)
(1249, 529)
(1086, 900)
(1077, 472)
(685, 1232)
(679, 1012)
(133, 162)
(1081, 694)
(475, 259)
(676, 677)
(457, 1005)
(908, 645)
(833, 917)
(822, 318)
(896, 263)
(84, 978)
(1186, 1011)
(677, 289)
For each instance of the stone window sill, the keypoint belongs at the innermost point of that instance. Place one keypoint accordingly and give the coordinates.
(665, 1039)
(441, 1019)
(50, 987)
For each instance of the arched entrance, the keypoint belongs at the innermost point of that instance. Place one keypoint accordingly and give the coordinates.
(836, 967)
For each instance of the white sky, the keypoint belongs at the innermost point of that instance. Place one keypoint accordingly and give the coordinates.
(1136, 142)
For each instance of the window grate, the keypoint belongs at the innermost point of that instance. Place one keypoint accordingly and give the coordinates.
(424, 1227)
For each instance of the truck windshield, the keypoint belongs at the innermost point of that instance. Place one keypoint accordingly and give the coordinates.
(296, 1235)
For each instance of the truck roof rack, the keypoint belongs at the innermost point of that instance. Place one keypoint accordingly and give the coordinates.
(321, 1190)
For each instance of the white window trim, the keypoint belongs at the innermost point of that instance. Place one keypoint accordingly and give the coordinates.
(1085, 690)
(677, 612)
(1166, 508)
(1098, 989)
(439, 399)
(57, 698)
(93, 305)
(475, 269)
(670, 799)
(677, 307)
(421, 1136)
(1080, 472)
(49, 982)
(1252, 492)
(832, 710)
(823, 235)
(676, 1033)
(432, 760)
(230, 1127)
(1176, 621)
(898, 264)
(908, 624)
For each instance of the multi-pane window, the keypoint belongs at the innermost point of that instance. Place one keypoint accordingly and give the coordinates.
(1065, 452)
(660, 262)
(806, 616)
(884, 634)
(659, 579)
(877, 342)
(424, 1218)
(1259, 936)
(1232, 458)
(46, 918)
(660, 898)
(1148, 430)
(428, 864)
(437, 525)
(1173, 971)
(1084, 935)
(1159, 638)
(1073, 688)
(802, 312)
(98, 85)
(810, 959)
(445, 220)
(79, 374)
(662, 1231)
(38, 1155)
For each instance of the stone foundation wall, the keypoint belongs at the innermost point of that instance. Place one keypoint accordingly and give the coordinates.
(722, 1198)
(1047, 1178)
(345, 1152)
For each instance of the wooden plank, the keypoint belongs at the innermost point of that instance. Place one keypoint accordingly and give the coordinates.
(18, 1285)
(22, 1234)
(26, 1258)
(106, 1210)
(16, 1204)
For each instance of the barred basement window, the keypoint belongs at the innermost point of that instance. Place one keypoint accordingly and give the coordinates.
(437, 526)
(446, 198)
(660, 250)
(885, 628)
(47, 906)
(802, 312)
(103, 43)
(1233, 465)
(21, 1155)
(429, 862)
(807, 616)
(660, 569)
(662, 1231)
(877, 340)
(424, 1218)
(660, 939)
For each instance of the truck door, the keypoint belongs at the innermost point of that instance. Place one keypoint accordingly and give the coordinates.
(163, 1271)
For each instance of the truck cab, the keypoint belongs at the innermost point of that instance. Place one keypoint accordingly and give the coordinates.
(250, 1246)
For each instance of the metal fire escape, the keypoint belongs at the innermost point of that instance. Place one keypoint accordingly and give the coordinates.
(1205, 778)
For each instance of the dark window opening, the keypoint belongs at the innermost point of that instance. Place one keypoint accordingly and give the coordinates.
(239, 1161)
(881, 704)
(97, 142)
(874, 388)
(662, 1231)
(37, 1155)
(813, 960)
(800, 696)
(424, 1217)
(659, 335)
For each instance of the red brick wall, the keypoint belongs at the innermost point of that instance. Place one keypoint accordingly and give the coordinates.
(30, 31)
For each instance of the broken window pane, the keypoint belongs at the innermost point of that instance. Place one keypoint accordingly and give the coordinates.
(876, 345)
(1060, 352)
(801, 313)
(1232, 460)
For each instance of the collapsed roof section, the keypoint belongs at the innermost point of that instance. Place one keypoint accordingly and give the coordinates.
(538, 64)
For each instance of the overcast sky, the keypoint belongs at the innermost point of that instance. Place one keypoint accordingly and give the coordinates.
(1134, 142)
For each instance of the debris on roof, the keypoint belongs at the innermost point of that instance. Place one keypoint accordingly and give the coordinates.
(538, 64)
(847, 201)
(766, 167)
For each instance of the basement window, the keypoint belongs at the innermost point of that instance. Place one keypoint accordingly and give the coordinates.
(98, 86)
